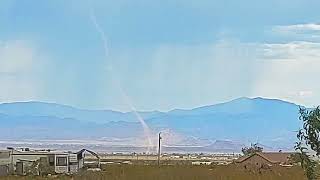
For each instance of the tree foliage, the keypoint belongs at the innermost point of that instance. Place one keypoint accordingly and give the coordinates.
(306, 161)
(308, 137)
(252, 149)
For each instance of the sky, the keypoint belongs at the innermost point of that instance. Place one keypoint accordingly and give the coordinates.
(158, 55)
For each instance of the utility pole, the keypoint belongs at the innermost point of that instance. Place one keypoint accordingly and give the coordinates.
(159, 148)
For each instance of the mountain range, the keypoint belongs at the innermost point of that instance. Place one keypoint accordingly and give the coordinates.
(232, 124)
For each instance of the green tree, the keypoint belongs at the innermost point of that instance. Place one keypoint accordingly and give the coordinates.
(308, 140)
(252, 149)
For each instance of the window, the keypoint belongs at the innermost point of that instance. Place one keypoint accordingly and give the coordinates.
(61, 161)
(51, 160)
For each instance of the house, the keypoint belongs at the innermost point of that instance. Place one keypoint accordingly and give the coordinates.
(23, 161)
(260, 159)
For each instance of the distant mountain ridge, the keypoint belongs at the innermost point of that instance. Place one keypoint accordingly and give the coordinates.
(34, 108)
(269, 121)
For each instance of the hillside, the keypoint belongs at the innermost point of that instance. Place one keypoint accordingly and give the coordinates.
(269, 121)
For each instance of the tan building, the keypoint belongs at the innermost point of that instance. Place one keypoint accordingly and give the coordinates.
(265, 159)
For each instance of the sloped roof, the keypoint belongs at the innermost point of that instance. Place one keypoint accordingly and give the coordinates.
(278, 156)
(91, 152)
(272, 157)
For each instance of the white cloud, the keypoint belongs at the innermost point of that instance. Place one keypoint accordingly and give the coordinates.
(19, 63)
(289, 71)
(309, 32)
(16, 57)
(298, 27)
(187, 76)
(206, 74)
(303, 93)
(296, 50)
(192, 75)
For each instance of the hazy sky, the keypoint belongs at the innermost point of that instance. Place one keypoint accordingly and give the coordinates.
(161, 54)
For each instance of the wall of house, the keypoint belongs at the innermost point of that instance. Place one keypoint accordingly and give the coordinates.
(17, 157)
(25, 161)
(81, 163)
(4, 157)
(73, 163)
(4, 170)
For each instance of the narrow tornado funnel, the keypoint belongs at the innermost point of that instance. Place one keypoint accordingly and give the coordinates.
(124, 95)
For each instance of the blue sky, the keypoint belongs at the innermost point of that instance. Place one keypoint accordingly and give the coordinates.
(161, 54)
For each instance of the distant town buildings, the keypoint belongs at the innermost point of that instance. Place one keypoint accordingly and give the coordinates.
(198, 163)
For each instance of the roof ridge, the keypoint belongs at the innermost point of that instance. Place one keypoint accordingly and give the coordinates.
(259, 154)
(264, 157)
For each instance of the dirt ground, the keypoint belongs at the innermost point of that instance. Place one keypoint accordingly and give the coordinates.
(141, 172)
